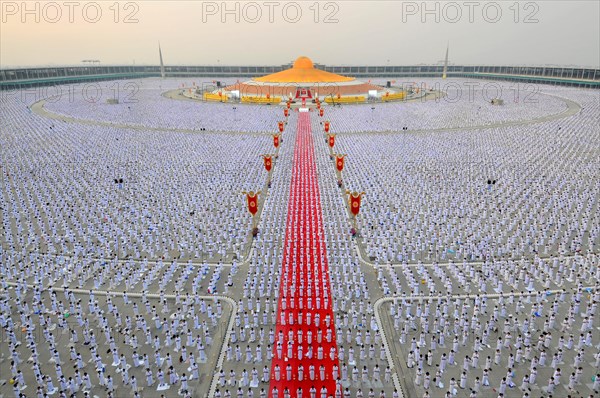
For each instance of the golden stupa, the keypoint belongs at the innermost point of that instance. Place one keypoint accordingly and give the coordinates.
(303, 71)
(301, 82)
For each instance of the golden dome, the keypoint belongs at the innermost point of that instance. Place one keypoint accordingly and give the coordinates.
(303, 71)
(303, 63)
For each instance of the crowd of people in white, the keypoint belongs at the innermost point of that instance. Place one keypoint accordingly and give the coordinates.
(86, 209)
(141, 103)
(460, 103)
(97, 192)
(506, 192)
(507, 215)
(168, 236)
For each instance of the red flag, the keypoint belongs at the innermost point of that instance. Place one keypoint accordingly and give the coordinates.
(331, 140)
(326, 125)
(268, 162)
(276, 140)
(321, 112)
(289, 105)
(280, 125)
(252, 199)
(339, 162)
(286, 112)
(355, 199)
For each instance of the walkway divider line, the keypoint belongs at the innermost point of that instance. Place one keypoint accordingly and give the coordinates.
(447, 263)
(243, 259)
(39, 109)
(573, 108)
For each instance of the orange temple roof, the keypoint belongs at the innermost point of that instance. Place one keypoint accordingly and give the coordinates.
(303, 71)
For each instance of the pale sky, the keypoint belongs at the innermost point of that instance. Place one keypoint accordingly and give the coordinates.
(562, 32)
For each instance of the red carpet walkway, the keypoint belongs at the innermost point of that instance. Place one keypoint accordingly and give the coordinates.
(305, 350)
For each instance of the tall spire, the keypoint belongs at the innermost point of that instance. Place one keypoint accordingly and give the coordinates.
(445, 71)
(162, 66)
